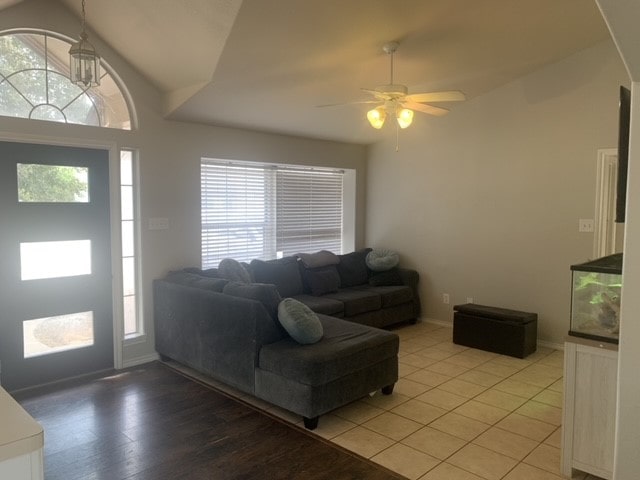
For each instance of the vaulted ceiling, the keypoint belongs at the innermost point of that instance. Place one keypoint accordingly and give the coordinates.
(267, 64)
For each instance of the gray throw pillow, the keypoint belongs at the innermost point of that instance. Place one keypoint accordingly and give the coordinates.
(299, 321)
(318, 259)
(319, 281)
(353, 268)
(284, 273)
(381, 260)
(233, 270)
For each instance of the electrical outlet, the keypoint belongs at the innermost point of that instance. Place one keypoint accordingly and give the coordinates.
(445, 298)
(469, 299)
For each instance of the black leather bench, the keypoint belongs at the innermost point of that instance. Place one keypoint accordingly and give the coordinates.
(499, 330)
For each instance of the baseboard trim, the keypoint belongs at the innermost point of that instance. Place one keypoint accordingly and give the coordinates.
(542, 343)
(135, 361)
(63, 382)
(555, 346)
(440, 323)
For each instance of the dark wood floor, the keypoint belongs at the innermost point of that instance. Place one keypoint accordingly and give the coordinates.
(152, 423)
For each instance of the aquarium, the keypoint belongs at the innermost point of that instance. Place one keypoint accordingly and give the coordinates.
(595, 298)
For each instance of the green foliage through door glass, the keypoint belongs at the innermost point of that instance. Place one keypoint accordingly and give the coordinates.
(52, 183)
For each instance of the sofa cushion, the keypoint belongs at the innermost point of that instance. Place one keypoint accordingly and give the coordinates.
(353, 268)
(299, 321)
(357, 300)
(284, 273)
(345, 348)
(381, 259)
(389, 277)
(233, 270)
(319, 281)
(318, 259)
(327, 306)
(391, 295)
(195, 280)
(265, 293)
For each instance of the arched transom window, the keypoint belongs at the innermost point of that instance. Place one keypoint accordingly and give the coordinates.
(34, 83)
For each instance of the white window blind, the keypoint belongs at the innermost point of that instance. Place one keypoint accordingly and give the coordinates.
(264, 210)
(309, 211)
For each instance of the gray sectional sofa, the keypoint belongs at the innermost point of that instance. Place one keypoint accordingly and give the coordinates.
(230, 330)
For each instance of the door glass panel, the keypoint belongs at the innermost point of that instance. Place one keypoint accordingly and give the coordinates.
(52, 183)
(55, 259)
(43, 336)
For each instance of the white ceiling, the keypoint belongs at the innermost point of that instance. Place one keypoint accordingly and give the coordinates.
(267, 64)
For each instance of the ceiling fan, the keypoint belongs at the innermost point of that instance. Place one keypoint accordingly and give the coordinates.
(395, 99)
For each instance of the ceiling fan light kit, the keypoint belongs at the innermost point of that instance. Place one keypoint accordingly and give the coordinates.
(397, 101)
(404, 116)
(84, 61)
(377, 117)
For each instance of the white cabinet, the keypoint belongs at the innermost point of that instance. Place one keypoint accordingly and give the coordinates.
(21, 442)
(588, 423)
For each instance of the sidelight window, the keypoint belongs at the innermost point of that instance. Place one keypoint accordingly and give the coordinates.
(129, 228)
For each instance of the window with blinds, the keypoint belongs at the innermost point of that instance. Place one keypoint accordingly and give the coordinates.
(267, 211)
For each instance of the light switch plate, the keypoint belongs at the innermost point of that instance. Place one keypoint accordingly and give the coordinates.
(585, 225)
(158, 223)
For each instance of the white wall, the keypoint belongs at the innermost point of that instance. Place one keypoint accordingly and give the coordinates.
(621, 17)
(485, 202)
(627, 460)
(170, 155)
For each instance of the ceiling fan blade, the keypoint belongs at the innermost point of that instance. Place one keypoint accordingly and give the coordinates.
(448, 96)
(357, 102)
(421, 107)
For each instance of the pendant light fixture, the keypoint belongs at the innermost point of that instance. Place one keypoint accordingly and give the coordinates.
(84, 61)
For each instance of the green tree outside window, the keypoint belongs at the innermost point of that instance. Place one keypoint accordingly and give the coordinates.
(52, 183)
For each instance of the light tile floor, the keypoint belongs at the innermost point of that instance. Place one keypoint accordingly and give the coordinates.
(456, 413)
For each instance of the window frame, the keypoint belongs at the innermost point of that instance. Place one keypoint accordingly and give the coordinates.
(344, 243)
(93, 93)
(139, 333)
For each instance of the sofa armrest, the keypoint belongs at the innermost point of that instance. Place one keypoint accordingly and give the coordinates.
(217, 334)
(411, 278)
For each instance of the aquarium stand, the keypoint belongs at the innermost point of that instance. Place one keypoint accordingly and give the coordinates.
(499, 330)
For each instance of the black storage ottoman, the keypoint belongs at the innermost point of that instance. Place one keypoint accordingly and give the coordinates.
(498, 330)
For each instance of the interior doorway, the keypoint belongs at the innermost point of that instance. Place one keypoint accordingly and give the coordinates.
(608, 235)
(56, 318)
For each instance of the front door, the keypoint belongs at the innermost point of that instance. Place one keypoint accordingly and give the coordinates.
(55, 264)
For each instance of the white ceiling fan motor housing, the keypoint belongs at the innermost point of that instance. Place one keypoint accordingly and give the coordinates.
(392, 91)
